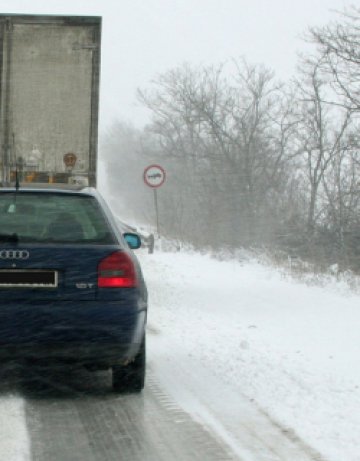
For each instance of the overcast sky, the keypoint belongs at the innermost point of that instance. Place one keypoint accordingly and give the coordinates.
(141, 38)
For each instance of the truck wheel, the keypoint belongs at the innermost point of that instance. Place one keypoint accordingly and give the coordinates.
(131, 377)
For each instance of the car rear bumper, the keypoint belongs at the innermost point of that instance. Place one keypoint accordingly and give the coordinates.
(88, 332)
(97, 357)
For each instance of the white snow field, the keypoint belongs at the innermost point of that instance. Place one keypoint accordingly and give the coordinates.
(270, 364)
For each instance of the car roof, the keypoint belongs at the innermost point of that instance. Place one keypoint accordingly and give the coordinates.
(52, 188)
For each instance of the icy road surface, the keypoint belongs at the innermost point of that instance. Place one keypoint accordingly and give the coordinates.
(72, 415)
(242, 365)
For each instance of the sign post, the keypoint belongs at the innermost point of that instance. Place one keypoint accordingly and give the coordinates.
(154, 177)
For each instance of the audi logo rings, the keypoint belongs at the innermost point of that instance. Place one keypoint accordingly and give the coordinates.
(14, 254)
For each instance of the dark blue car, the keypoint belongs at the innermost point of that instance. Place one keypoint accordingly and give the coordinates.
(71, 289)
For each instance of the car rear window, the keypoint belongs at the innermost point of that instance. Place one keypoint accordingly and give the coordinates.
(51, 217)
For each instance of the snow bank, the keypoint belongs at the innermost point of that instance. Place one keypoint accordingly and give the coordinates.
(291, 349)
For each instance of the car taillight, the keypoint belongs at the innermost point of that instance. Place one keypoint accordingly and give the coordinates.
(117, 271)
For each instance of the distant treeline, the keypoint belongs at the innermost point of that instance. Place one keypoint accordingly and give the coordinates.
(251, 161)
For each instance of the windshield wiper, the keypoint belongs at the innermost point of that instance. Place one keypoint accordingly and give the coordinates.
(13, 238)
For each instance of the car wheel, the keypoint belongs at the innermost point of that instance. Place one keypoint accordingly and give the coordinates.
(131, 377)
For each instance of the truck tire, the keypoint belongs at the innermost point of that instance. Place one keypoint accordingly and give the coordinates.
(131, 377)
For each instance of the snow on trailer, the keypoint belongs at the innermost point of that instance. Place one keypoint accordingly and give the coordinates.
(49, 92)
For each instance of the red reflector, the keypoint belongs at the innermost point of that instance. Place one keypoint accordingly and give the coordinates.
(117, 271)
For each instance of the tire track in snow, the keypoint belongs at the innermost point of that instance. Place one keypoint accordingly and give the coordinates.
(76, 416)
(249, 432)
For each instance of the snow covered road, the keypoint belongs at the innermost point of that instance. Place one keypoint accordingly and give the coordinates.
(269, 364)
(14, 437)
(71, 414)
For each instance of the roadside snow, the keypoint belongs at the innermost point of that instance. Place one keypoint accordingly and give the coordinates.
(14, 439)
(256, 355)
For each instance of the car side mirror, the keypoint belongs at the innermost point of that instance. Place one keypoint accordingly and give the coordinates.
(133, 240)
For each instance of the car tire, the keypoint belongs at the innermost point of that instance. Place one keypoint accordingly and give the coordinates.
(131, 377)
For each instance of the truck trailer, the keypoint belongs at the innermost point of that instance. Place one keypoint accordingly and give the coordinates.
(49, 99)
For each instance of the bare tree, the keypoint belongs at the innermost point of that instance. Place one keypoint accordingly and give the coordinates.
(186, 145)
(224, 129)
(319, 137)
(339, 45)
(342, 191)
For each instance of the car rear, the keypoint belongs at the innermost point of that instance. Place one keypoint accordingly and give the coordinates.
(71, 289)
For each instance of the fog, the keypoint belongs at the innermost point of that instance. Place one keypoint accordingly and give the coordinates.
(218, 93)
(141, 39)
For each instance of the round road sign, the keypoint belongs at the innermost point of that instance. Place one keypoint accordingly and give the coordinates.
(154, 176)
